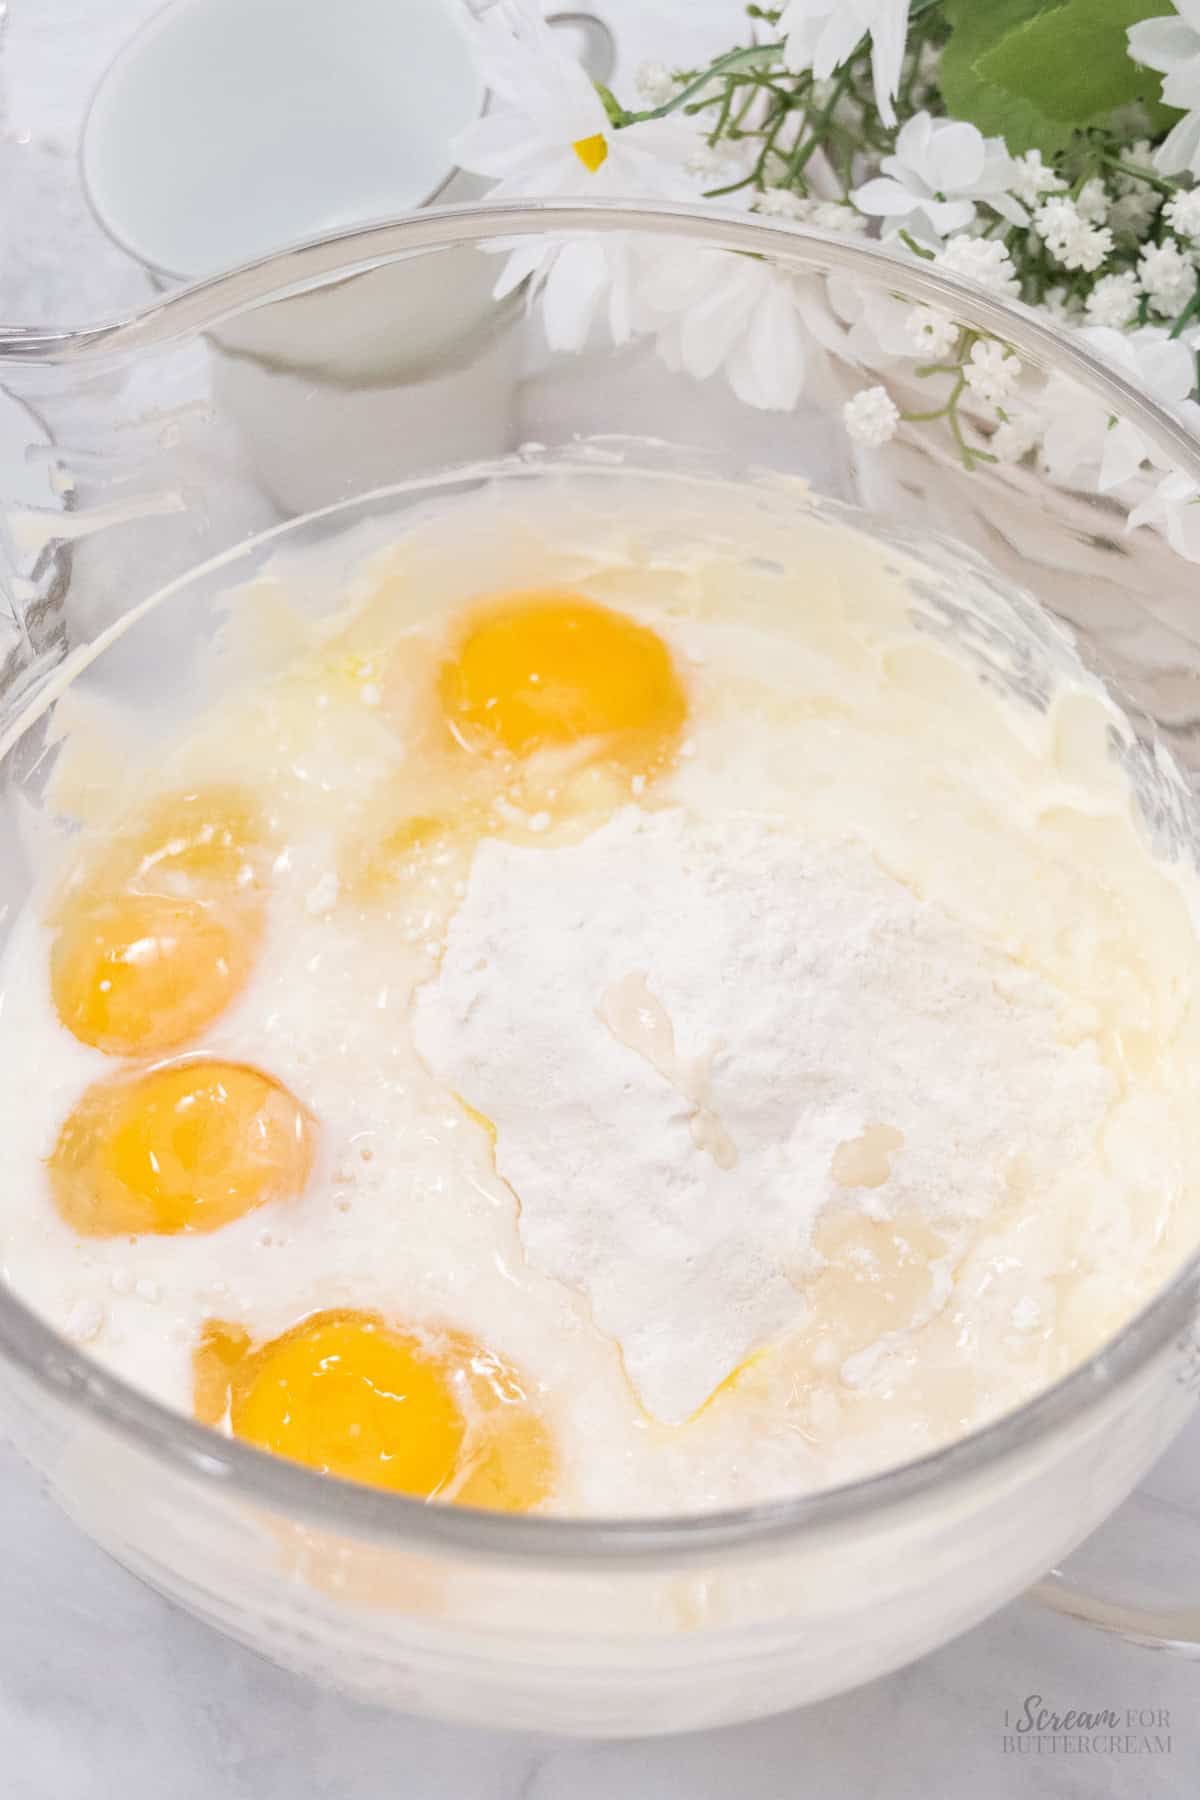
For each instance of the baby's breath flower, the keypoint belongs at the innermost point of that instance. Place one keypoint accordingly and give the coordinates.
(823, 215)
(1069, 238)
(933, 333)
(781, 203)
(991, 374)
(1130, 216)
(929, 58)
(831, 215)
(1031, 179)
(1113, 300)
(1137, 201)
(871, 417)
(1014, 438)
(709, 161)
(1182, 213)
(983, 260)
(1139, 155)
(1122, 244)
(1062, 305)
(848, 113)
(1091, 202)
(1168, 276)
(655, 83)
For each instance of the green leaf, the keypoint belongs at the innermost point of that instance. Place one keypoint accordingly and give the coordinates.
(1036, 71)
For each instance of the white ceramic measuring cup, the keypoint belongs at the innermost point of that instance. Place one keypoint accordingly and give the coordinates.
(229, 129)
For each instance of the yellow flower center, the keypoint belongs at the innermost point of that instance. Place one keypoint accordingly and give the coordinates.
(591, 151)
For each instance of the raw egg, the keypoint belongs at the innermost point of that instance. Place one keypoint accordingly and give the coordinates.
(143, 973)
(406, 852)
(211, 838)
(353, 1396)
(161, 932)
(183, 1148)
(547, 669)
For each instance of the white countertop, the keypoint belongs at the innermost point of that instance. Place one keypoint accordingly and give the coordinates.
(105, 1689)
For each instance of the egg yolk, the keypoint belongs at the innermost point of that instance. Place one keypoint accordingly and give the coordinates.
(543, 670)
(162, 932)
(403, 853)
(184, 1148)
(352, 1396)
(208, 838)
(143, 973)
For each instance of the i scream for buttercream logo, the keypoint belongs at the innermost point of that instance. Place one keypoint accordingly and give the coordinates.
(1039, 1728)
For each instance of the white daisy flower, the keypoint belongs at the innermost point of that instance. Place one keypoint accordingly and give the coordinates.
(578, 282)
(930, 185)
(1171, 45)
(712, 310)
(547, 134)
(871, 417)
(1082, 435)
(1174, 507)
(878, 322)
(820, 34)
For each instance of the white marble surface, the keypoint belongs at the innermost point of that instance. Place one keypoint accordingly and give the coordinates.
(106, 1690)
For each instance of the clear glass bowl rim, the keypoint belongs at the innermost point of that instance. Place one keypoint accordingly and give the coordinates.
(69, 1376)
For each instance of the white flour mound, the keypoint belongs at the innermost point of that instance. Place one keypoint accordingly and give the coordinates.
(675, 1024)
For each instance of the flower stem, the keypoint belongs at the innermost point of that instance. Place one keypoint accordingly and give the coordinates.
(818, 125)
(969, 455)
(921, 250)
(1190, 311)
(723, 115)
(1160, 182)
(750, 56)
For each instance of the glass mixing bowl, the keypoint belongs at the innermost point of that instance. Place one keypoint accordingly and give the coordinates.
(343, 381)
